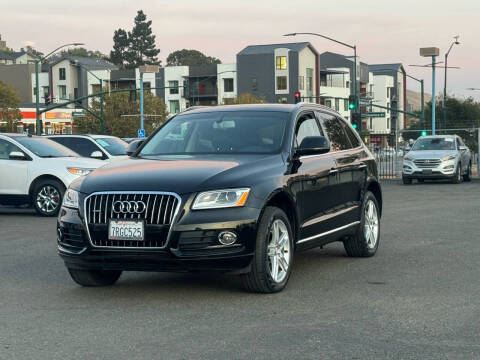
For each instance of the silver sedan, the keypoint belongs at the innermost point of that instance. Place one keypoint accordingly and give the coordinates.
(438, 157)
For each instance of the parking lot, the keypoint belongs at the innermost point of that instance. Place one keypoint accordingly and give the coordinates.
(419, 297)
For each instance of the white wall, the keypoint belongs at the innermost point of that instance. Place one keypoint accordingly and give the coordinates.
(175, 73)
(42, 81)
(25, 59)
(306, 60)
(147, 77)
(281, 52)
(380, 85)
(93, 82)
(338, 87)
(226, 71)
(400, 103)
(71, 80)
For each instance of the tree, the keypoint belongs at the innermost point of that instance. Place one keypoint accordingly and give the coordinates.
(32, 51)
(141, 48)
(81, 51)
(118, 55)
(9, 112)
(186, 57)
(247, 98)
(118, 104)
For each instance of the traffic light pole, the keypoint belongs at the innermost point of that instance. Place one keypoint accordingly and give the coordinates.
(355, 85)
(141, 100)
(38, 124)
(102, 121)
(433, 95)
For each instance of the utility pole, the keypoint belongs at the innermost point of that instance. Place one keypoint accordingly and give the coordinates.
(432, 52)
(144, 69)
(444, 107)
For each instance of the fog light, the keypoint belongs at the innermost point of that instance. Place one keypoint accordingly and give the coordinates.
(227, 238)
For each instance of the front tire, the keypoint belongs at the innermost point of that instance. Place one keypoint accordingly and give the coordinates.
(47, 197)
(457, 177)
(406, 181)
(468, 174)
(272, 262)
(94, 277)
(365, 242)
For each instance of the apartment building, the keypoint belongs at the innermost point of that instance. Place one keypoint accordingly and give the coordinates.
(276, 71)
(335, 89)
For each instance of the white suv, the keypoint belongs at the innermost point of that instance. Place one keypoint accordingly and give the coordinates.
(103, 147)
(35, 170)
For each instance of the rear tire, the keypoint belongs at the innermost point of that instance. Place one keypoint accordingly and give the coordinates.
(47, 197)
(94, 277)
(365, 242)
(457, 177)
(468, 174)
(406, 181)
(272, 262)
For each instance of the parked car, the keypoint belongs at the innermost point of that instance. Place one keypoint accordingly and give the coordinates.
(102, 147)
(129, 140)
(235, 189)
(36, 171)
(438, 157)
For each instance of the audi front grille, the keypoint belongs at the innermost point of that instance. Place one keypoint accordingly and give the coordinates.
(156, 210)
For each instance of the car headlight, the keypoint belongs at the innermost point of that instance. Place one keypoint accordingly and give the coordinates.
(221, 199)
(407, 158)
(79, 171)
(450, 157)
(70, 199)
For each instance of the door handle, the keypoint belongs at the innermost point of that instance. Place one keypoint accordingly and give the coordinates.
(333, 171)
(361, 167)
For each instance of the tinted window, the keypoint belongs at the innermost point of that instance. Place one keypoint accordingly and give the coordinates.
(352, 137)
(44, 147)
(114, 146)
(436, 143)
(82, 146)
(219, 133)
(335, 130)
(308, 127)
(6, 148)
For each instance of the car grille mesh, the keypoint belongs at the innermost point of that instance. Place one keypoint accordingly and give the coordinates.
(157, 215)
(427, 163)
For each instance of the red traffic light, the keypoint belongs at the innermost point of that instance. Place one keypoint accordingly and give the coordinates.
(297, 97)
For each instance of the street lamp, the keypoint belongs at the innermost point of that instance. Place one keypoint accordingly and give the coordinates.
(433, 53)
(445, 81)
(37, 61)
(102, 122)
(354, 47)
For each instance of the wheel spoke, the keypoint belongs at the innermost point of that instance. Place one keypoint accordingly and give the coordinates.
(283, 263)
(274, 267)
(283, 240)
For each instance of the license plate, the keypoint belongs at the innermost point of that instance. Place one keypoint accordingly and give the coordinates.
(126, 230)
(427, 171)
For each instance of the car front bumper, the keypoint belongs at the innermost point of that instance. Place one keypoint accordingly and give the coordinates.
(445, 170)
(192, 244)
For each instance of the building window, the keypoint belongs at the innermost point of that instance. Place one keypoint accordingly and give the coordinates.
(96, 88)
(283, 100)
(174, 106)
(146, 85)
(281, 83)
(301, 82)
(75, 93)
(309, 80)
(328, 103)
(61, 74)
(62, 91)
(281, 63)
(388, 108)
(388, 123)
(347, 84)
(228, 85)
(388, 93)
(173, 85)
(337, 104)
(345, 104)
(254, 83)
(371, 123)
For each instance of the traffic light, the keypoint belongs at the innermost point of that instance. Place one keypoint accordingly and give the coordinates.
(351, 102)
(424, 133)
(357, 121)
(48, 99)
(297, 97)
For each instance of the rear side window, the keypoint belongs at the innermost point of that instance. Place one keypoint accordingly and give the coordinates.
(83, 147)
(352, 137)
(335, 130)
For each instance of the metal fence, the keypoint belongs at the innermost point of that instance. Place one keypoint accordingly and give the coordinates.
(389, 155)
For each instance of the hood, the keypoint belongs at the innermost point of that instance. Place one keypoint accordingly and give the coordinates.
(430, 154)
(178, 174)
(80, 162)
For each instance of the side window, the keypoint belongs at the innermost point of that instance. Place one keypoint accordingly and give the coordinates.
(352, 137)
(307, 126)
(83, 147)
(336, 133)
(6, 148)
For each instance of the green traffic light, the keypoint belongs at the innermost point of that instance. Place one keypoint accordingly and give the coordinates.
(351, 106)
(424, 133)
(354, 126)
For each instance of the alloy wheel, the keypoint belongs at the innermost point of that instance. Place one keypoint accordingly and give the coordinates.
(278, 251)
(371, 224)
(48, 199)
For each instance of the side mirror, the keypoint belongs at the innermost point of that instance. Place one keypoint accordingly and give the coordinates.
(97, 154)
(462, 148)
(17, 155)
(313, 145)
(407, 148)
(133, 146)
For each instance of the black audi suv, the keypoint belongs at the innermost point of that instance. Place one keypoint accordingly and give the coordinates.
(235, 189)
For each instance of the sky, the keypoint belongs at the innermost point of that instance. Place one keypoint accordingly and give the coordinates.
(384, 31)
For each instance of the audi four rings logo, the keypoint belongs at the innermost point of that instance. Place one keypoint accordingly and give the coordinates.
(129, 207)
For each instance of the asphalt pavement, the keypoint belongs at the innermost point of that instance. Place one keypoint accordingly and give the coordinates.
(418, 298)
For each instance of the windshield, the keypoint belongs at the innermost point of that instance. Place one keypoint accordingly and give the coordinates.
(245, 132)
(44, 147)
(114, 146)
(434, 144)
